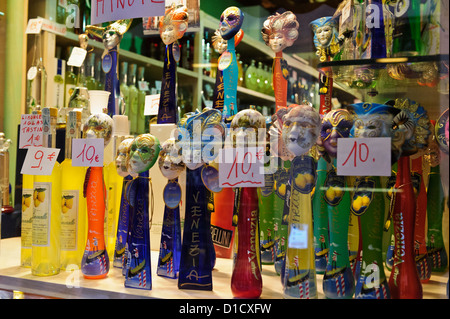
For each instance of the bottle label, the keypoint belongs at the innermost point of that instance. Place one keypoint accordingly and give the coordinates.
(42, 197)
(27, 217)
(69, 91)
(69, 219)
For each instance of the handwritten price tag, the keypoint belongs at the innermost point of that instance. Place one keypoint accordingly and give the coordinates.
(241, 167)
(364, 156)
(87, 152)
(151, 104)
(39, 161)
(30, 131)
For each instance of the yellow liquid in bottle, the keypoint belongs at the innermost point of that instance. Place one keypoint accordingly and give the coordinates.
(45, 255)
(133, 115)
(27, 220)
(73, 215)
(113, 183)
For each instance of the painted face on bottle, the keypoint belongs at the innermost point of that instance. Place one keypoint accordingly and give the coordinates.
(144, 151)
(219, 43)
(174, 24)
(373, 125)
(99, 126)
(301, 127)
(336, 124)
(248, 127)
(277, 42)
(111, 39)
(170, 161)
(122, 157)
(230, 22)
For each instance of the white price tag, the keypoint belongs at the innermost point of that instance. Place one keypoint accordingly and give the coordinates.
(364, 156)
(39, 161)
(30, 130)
(143, 86)
(151, 104)
(34, 26)
(77, 57)
(298, 236)
(241, 167)
(87, 152)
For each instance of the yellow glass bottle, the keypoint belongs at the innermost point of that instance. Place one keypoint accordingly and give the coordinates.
(45, 251)
(73, 204)
(134, 93)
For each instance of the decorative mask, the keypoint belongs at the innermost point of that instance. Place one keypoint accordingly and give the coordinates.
(301, 128)
(200, 135)
(220, 44)
(99, 126)
(248, 127)
(170, 161)
(335, 124)
(122, 157)
(144, 151)
(230, 22)
(280, 31)
(174, 24)
(277, 146)
(441, 131)
(325, 37)
(111, 34)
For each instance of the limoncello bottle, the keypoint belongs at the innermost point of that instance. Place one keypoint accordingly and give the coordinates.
(73, 205)
(46, 240)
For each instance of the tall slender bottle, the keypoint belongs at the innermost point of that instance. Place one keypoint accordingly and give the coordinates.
(140, 127)
(134, 92)
(124, 90)
(91, 84)
(46, 237)
(73, 205)
(37, 78)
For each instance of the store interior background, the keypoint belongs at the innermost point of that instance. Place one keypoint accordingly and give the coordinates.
(16, 46)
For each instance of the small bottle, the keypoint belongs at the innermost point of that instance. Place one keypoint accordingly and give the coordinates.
(46, 240)
(250, 76)
(134, 92)
(73, 205)
(91, 83)
(70, 82)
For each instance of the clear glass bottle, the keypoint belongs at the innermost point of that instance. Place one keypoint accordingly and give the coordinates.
(73, 204)
(91, 83)
(70, 83)
(37, 79)
(124, 90)
(140, 127)
(46, 240)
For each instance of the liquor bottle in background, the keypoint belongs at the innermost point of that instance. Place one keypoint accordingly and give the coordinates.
(124, 90)
(99, 74)
(407, 29)
(73, 205)
(60, 11)
(46, 240)
(91, 83)
(37, 79)
(143, 91)
(134, 92)
(250, 76)
(70, 82)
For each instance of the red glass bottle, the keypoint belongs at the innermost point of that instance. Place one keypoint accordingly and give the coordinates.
(404, 282)
(246, 280)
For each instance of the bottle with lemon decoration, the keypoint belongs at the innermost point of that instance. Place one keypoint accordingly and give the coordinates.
(46, 240)
(73, 205)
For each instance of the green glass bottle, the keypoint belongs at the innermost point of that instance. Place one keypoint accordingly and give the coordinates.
(91, 84)
(124, 90)
(133, 93)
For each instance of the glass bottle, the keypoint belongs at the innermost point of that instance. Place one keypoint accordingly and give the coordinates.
(60, 12)
(46, 240)
(37, 79)
(73, 205)
(70, 82)
(250, 76)
(407, 29)
(140, 127)
(240, 70)
(134, 92)
(260, 78)
(91, 83)
(124, 90)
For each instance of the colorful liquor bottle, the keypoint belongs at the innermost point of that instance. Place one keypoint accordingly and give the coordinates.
(73, 205)
(46, 230)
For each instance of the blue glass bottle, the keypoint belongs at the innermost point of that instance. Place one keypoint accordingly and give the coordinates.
(167, 112)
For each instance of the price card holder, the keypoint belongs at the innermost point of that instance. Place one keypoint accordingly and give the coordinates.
(30, 131)
(87, 152)
(151, 104)
(241, 167)
(39, 161)
(364, 156)
(77, 57)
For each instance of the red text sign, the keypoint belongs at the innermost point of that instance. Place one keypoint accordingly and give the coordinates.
(39, 161)
(87, 152)
(30, 130)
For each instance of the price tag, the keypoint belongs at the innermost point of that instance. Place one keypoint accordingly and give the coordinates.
(241, 167)
(39, 161)
(87, 152)
(34, 26)
(143, 86)
(151, 104)
(225, 60)
(298, 236)
(30, 130)
(77, 57)
(364, 156)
